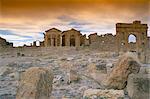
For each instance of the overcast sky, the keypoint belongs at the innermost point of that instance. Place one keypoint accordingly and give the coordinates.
(23, 21)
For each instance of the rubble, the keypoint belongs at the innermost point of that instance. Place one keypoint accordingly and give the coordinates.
(138, 86)
(61, 66)
(103, 94)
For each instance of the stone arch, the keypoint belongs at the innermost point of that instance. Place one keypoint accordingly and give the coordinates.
(138, 41)
(132, 38)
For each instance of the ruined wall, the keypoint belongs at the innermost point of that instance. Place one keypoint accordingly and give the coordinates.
(149, 42)
(103, 42)
(93, 38)
(42, 44)
(148, 52)
(4, 43)
(83, 40)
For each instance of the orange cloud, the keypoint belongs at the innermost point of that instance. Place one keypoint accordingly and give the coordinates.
(29, 17)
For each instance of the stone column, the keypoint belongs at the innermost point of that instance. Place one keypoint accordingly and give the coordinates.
(52, 42)
(126, 42)
(60, 40)
(67, 40)
(56, 41)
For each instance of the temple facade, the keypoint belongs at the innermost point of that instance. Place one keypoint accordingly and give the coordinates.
(54, 37)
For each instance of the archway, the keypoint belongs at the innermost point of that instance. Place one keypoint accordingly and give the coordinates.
(63, 40)
(72, 40)
(132, 43)
(132, 38)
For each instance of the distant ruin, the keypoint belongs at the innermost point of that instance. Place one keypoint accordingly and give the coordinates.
(108, 42)
(131, 37)
(4, 43)
(55, 37)
(119, 42)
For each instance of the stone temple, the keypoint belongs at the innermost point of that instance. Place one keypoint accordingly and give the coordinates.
(55, 37)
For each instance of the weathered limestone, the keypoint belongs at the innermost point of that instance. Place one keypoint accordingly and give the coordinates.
(36, 83)
(138, 86)
(100, 68)
(55, 37)
(124, 30)
(105, 42)
(71, 38)
(127, 64)
(73, 76)
(103, 94)
(93, 38)
(52, 37)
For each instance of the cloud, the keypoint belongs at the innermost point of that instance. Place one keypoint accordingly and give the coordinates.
(29, 19)
(8, 32)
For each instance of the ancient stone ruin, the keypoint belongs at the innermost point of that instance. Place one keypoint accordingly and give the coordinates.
(129, 37)
(4, 43)
(67, 65)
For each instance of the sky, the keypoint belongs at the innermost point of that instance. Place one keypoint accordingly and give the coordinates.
(24, 21)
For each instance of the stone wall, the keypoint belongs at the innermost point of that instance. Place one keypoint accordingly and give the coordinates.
(148, 42)
(103, 42)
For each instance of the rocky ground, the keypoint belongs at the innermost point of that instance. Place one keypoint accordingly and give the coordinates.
(62, 62)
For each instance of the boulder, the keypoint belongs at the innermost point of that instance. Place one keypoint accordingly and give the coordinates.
(138, 86)
(91, 68)
(144, 70)
(35, 83)
(103, 94)
(117, 78)
(73, 76)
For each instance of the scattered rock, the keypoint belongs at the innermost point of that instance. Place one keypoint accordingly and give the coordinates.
(36, 83)
(126, 65)
(70, 58)
(100, 68)
(144, 70)
(91, 68)
(58, 80)
(138, 86)
(73, 76)
(103, 94)
(5, 70)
